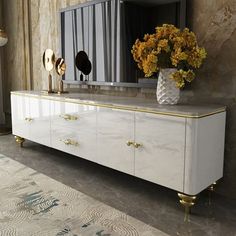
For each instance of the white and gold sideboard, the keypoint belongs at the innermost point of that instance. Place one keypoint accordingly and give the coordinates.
(180, 147)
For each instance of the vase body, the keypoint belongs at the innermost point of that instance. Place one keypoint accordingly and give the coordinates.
(167, 92)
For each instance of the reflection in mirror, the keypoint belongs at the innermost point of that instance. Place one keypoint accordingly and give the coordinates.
(106, 31)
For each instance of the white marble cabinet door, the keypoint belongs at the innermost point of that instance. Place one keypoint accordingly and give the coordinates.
(204, 152)
(39, 123)
(19, 113)
(160, 158)
(114, 129)
(76, 123)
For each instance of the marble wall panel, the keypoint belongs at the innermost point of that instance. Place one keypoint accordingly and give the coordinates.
(45, 34)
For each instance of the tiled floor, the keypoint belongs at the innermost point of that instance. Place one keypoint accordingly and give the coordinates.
(150, 203)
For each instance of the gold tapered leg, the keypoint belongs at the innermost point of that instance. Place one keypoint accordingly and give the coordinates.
(187, 201)
(19, 140)
(211, 189)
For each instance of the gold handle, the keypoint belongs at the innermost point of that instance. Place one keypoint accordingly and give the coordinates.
(70, 142)
(69, 117)
(28, 119)
(129, 143)
(137, 145)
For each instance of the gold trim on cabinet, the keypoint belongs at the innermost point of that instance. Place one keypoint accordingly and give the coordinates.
(119, 107)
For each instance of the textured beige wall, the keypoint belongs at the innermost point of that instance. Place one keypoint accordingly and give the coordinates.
(214, 22)
(14, 58)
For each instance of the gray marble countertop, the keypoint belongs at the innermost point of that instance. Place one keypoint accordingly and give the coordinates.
(130, 103)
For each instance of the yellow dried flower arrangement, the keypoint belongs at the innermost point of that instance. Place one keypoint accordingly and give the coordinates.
(169, 47)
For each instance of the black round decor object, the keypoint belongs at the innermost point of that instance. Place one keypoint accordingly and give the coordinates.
(82, 62)
(81, 59)
(88, 67)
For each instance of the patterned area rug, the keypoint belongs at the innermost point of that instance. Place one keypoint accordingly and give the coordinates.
(33, 204)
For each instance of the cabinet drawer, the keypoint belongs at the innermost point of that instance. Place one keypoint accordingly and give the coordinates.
(72, 116)
(60, 140)
(75, 141)
(160, 159)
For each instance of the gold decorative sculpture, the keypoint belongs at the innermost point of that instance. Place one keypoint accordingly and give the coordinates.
(48, 63)
(3, 38)
(60, 67)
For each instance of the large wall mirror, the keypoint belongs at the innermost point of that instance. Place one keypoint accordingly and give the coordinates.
(106, 31)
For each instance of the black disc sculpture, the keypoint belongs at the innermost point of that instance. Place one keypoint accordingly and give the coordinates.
(83, 64)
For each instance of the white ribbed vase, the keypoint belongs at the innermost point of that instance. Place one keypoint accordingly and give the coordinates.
(167, 92)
